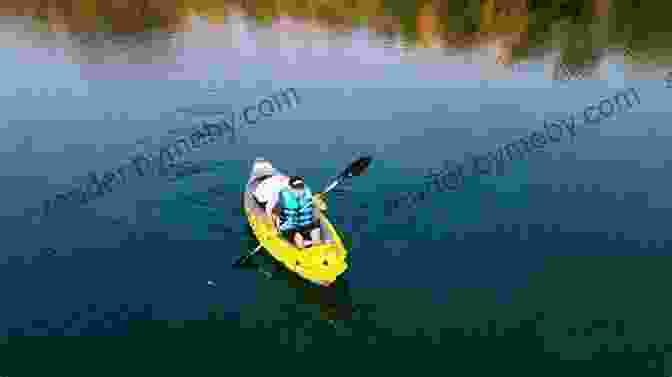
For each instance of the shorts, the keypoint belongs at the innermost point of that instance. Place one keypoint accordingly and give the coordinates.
(304, 230)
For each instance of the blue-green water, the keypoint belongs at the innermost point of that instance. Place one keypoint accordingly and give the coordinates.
(564, 257)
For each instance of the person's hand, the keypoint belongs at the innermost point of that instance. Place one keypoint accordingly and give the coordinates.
(274, 226)
(298, 240)
(320, 201)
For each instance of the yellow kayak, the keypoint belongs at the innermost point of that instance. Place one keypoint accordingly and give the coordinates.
(321, 263)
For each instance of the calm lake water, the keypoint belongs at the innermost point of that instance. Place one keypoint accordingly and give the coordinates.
(559, 265)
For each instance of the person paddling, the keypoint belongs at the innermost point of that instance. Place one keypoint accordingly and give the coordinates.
(298, 219)
(269, 185)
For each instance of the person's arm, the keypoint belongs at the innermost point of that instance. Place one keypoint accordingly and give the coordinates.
(275, 217)
(272, 203)
(273, 211)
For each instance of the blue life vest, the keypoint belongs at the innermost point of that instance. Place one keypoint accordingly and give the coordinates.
(296, 212)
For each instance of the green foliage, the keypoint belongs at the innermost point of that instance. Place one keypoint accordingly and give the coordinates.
(152, 21)
(264, 19)
(360, 20)
(41, 19)
(461, 16)
(407, 14)
(104, 23)
(40, 23)
(644, 31)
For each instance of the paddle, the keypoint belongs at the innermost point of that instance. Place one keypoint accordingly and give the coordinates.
(357, 168)
(243, 258)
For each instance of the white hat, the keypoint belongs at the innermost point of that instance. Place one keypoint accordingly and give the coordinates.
(263, 167)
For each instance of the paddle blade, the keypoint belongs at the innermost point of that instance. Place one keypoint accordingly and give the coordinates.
(357, 168)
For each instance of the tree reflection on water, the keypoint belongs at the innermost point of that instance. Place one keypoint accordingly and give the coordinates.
(516, 29)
